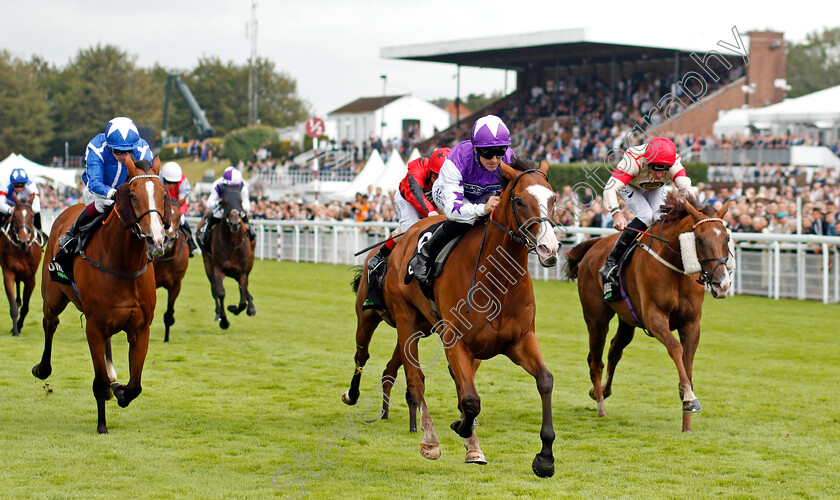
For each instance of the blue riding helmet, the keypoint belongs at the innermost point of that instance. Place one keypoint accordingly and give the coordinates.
(121, 134)
(18, 176)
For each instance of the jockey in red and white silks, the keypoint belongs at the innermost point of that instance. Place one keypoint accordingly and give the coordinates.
(640, 178)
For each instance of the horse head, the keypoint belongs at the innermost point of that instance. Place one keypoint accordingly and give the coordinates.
(144, 206)
(712, 242)
(172, 232)
(525, 208)
(232, 212)
(22, 221)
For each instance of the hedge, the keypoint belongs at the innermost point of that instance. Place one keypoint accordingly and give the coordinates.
(571, 174)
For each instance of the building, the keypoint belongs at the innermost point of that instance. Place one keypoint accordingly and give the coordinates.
(387, 117)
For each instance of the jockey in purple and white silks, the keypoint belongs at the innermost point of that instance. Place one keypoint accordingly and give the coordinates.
(228, 184)
(467, 187)
(105, 169)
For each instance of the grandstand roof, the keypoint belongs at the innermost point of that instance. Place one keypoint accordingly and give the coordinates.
(366, 104)
(568, 46)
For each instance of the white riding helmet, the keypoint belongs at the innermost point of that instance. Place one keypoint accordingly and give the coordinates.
(235, 177)
(171, 172)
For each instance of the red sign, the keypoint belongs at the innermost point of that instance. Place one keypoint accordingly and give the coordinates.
(314, 127)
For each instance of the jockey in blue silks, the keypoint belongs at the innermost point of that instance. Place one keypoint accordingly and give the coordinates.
(467, 187)
(105, 170)
(20, 188)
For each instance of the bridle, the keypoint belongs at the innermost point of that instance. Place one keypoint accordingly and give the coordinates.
(135, 229)
(706, 276)
(13, 227)
(523, 228)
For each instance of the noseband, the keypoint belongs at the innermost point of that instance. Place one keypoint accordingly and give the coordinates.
(706, 276)
(523, 228)
(23, 246)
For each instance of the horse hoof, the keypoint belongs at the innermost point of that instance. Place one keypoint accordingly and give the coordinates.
(691, 406)
(430, 451)
(349, 400)
(252, 311)
(102, 429)
(543, 467)
(234, 309)
(41, 373)
(224, 323)
(459, 429)
(475, 457)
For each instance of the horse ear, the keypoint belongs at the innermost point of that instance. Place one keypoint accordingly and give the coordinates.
(544, 166)
(31, 198)
(155, 166)
(131, 168)
(509, 172)
(723, 210)
(693, 211)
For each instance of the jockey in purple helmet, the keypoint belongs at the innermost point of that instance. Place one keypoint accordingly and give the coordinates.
(467, 187)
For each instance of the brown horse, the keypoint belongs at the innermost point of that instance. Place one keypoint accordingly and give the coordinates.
(171, 267)
(476, 322)
(231, 254)
(662, 298)
(114, 286)
(21, 254)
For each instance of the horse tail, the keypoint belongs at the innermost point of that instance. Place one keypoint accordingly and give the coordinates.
(575, 255)
(357, 277)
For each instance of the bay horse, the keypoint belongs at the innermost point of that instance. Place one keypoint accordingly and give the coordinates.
(231, 254)
(171, 267)
(20, 256)
(662, 297)
(479, 316)
(113, 285)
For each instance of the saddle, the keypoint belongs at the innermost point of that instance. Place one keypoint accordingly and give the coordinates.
(61, 267)
(438, 260)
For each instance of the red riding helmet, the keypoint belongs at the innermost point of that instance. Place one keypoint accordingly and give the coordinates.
(662, 152)
(436, 160)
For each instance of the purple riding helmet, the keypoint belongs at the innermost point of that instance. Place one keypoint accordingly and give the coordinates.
(490, 131)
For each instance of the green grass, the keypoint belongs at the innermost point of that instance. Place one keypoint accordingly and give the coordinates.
(221, 411)
(194, 170)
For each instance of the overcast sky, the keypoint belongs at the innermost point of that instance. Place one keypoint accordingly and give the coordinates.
(332, 47)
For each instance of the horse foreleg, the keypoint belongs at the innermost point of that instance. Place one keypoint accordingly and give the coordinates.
(9, 282)
(598, 328)
(138, 346)
(429, 446)
(252, 310)
(460, 367)
(54, 303)
(389, 375)
(623, 336)
(689, 338)
(101, 379)
(169, 315)
(528, 355)
(28, 288)
(109, 362)
(474, 454)
(658, 327)
(217, 288)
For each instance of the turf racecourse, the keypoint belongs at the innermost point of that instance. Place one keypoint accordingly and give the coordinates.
(223, 411)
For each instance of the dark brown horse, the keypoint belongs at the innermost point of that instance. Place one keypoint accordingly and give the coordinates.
(21, 254)
(114, 285)
(231, 254)
(475, 322)
(171, 267)
(663, 299)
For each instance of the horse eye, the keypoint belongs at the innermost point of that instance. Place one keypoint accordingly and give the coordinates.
(519, 202)
(700, 242)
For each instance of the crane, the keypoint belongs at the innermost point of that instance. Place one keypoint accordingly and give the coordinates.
(205, 130)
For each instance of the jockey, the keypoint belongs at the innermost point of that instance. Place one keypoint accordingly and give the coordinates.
(20, 188)
(413, 202)
(467, 187)
(231, 180)
(179, 189)
(105, 170)
(639, 177)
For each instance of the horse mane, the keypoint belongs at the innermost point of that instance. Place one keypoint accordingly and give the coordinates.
(575, 255)
(674, 209)
(144, 165)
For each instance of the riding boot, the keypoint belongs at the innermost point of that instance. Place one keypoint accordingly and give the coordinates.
(376, 272)
(422, 263)
(37, 222)
(609, 272)
(73, 232)
(191, 246)
(251, 234)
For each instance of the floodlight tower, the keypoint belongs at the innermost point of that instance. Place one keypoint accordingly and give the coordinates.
(251, 33)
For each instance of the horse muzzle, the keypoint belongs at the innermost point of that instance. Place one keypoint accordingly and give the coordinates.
(155, 248)
(721, 290)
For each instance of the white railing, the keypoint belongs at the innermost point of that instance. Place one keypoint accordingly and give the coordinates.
(770, 265)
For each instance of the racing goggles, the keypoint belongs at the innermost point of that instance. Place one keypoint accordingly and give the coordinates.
(658, 167)
(120, 152)
(492, 152)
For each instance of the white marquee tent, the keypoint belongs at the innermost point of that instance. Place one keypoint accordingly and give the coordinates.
(394, 172)
(366, 177)
(57, 177)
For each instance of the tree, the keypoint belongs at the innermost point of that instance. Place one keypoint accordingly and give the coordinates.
(25, 125)
(99, 84)
(814, 64)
